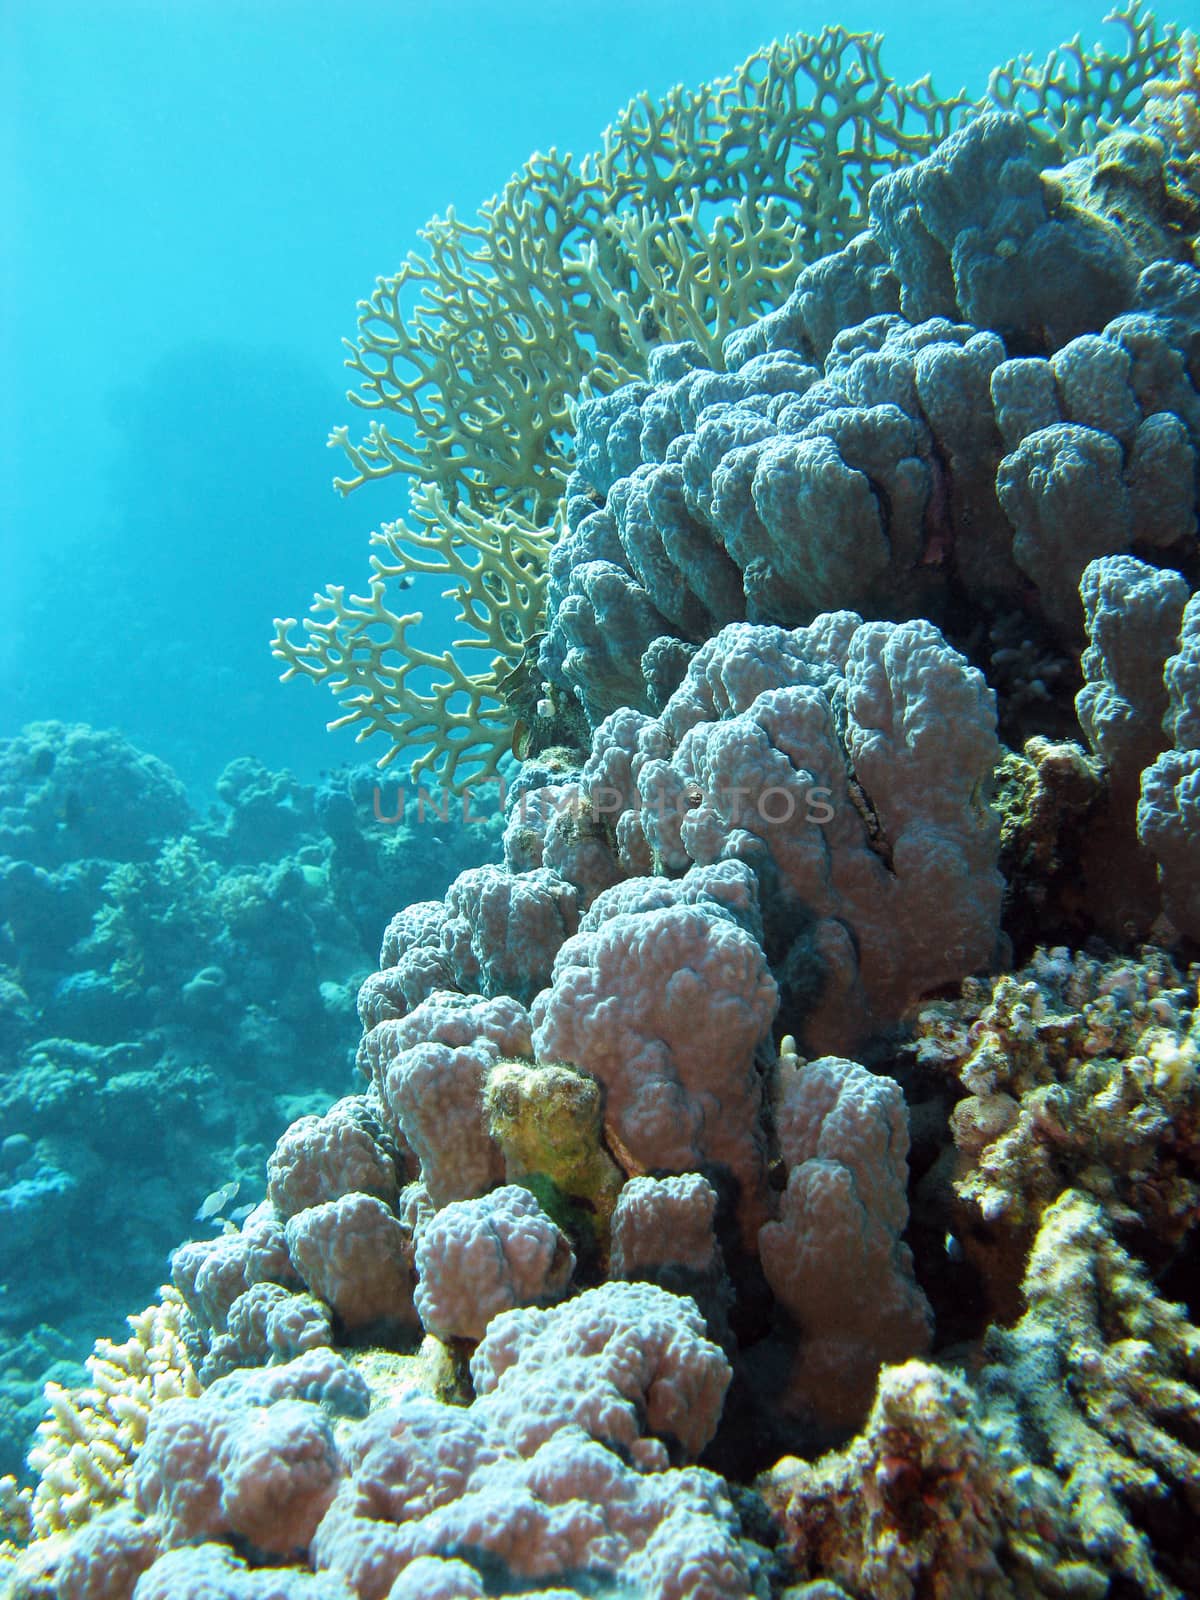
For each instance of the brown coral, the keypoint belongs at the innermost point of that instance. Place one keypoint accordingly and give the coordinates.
(1104, 1379)
(933, 1500)
(1048, 798)
(1077, 1074)
(1075, 1455)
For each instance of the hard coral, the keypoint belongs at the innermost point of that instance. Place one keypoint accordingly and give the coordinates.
(666, 1008)
(478, 1258)
(1078, 1074)
(848, 766)
(1103, 1378)
(892, 466)
(430, 1070)
(1035, 409)
(86, 1446)
(357, 1256)
(933, 1501)
(548, 1122)
(253, 1457)
(1172, 109)
(644, 1379)
(833, 1258)
(359, 646)
(569, 280)
(68, 791)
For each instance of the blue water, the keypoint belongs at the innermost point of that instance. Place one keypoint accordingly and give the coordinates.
(196, 195)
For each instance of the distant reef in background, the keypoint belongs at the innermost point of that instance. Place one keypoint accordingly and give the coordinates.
(173, 990)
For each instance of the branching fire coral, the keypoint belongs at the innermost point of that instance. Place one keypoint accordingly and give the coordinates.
(496, 568)
(572, 275)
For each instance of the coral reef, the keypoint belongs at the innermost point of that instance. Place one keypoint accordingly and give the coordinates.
(1059, 1468)
(86, 1447)
(1172, 110)
(933, 1498)
(539, 1479)
(887, 466)
(70, 793)
(833, 1258)
(496, 566)
(674, 1152)
(848, 768)
(478, 1258)
(1103, 1377)
(153, 962)
(1077, 1074)
(693, 218)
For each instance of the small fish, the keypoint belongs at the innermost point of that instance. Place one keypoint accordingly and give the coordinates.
(71, 814)
(212, 1205)
(240, 1214)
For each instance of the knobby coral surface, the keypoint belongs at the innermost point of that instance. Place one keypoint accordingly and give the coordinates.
(693, 218)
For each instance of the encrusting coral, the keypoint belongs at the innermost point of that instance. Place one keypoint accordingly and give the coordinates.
(1078, 1074)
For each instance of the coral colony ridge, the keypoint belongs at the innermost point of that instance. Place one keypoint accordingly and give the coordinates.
(775, 1172)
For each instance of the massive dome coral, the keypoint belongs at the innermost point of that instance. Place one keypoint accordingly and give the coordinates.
(693, 218)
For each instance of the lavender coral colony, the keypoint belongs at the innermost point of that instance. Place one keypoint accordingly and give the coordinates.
(778, 1174)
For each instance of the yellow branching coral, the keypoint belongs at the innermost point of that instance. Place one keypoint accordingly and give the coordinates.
(505, 316)
(1173, 112)
(480, 344)
(496, 567)
(1077, 96)
(693, 217)
(87, 1442)
(698, 279)
(16, 1519)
